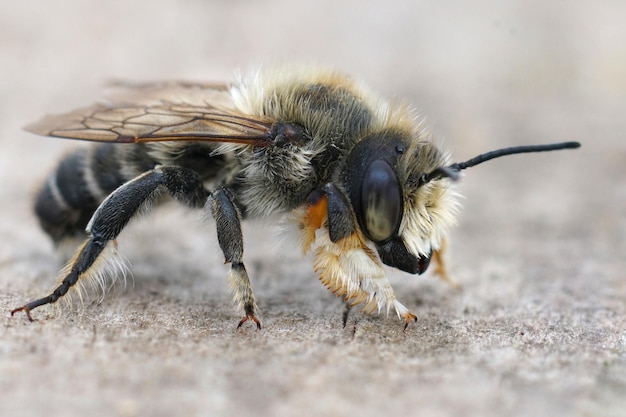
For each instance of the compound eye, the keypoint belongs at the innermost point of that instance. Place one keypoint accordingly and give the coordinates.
(381, 201)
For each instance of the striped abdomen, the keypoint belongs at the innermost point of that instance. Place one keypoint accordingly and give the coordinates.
(82, 180)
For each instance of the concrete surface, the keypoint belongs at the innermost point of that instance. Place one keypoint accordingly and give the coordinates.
(539, 328)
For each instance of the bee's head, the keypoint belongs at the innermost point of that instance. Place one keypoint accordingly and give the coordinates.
(402, 193)
(398, 207)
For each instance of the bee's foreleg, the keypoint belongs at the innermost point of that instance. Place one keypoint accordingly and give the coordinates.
(347, 265)
(341, 221)
(228, 223)
(114, 214)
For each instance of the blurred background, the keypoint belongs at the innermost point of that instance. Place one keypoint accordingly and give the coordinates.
(538, 236)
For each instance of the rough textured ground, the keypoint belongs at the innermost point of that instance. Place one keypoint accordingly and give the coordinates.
(539, 327)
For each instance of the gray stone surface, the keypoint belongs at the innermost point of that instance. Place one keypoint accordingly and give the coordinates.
(539, 327)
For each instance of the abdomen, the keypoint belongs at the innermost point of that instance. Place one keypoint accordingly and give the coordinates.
(83, 178)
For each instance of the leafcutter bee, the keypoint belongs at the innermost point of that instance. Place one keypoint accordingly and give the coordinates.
(361, 179)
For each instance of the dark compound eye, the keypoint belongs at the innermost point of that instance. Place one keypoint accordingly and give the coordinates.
(381, 201)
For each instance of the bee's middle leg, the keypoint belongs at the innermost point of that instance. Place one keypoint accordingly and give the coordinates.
(227, 217)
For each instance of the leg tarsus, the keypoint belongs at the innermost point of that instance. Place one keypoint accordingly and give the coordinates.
(407, 319)
(250, 309)
(250, 316)
(81, 264)
(26, 310)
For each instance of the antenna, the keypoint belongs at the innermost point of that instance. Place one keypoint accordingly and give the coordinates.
(452, 171)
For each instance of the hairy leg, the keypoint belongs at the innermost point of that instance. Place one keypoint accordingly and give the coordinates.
(124, 203)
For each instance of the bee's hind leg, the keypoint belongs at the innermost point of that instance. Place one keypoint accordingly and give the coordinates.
(113, 215)
(116, 211)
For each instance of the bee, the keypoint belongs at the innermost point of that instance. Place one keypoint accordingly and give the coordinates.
(360, 177)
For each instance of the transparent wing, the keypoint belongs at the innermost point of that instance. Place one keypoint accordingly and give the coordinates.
(180, 92)
(159, 112)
